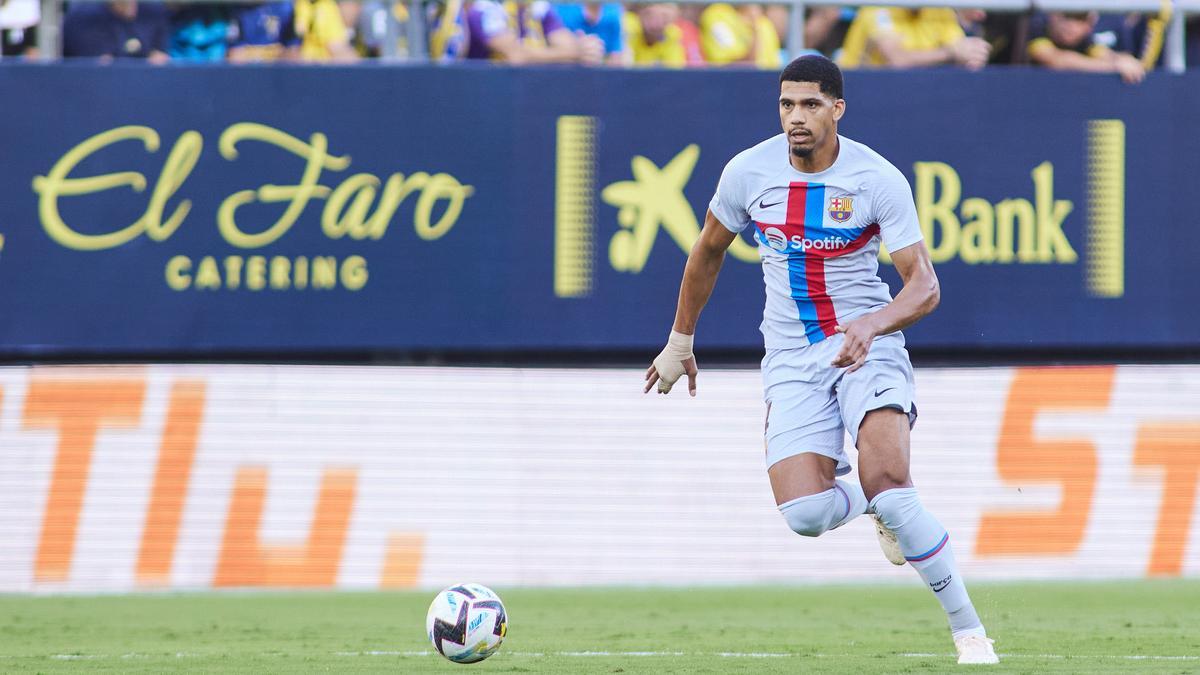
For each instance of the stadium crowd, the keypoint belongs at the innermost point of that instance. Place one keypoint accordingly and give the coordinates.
(644, 34)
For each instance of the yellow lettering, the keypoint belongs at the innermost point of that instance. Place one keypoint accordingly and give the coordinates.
(395, 191)
(256, 273)
(56, 184)
(1052, 244)
(178, 276)
(978, 232)
(233, 271)
(279, 272)
(1018, 212)
(316, 159)
(175, 171)
(934, 209)
(439, 186)
(324, 272)
(300, 273)
(354, 273)
(207, 275)
(335, 222)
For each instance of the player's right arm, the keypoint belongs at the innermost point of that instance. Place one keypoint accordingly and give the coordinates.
(699, 277)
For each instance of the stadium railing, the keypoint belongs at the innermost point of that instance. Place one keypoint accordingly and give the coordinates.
(49, 39)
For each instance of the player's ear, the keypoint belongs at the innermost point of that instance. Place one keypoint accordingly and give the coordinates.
(839, 109)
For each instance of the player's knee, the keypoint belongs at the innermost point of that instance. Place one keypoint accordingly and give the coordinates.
(809, 516)
(897, 507)
(876, 485)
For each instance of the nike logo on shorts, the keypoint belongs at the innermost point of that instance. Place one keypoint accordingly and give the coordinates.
(881, 392)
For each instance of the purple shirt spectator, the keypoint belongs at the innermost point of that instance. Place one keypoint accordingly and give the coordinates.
(486, 19)
(120, 29)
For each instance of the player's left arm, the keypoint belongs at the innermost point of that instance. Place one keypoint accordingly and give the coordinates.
(919, 297)
(892, 207)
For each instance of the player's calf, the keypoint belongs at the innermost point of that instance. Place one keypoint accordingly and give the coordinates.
(812, 515)
(926, 546)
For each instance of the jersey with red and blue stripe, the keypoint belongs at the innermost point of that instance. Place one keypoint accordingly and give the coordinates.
(818, 234)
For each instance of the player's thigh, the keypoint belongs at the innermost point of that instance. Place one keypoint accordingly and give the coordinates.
(801, 475)
(883, 451)
(878, 407)
(804, 435)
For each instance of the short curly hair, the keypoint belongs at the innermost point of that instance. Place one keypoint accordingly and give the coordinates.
(815, 68)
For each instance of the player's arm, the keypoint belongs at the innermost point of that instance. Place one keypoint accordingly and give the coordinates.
(919, 297)
(699, 277)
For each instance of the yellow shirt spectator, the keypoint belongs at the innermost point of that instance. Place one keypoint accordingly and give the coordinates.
(322, 31)
(918, 30)
(668, 52)
(727, 34)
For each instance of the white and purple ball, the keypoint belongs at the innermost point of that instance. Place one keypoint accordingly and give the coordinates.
(466, 623)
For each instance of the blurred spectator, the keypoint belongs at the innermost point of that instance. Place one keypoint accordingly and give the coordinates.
(689, 23)
(18, 28)
(894, 37)
(825, 28)
(322, 30)
(1065, 41)
(1192, 46)
(530, 33)
(742, 35)
(1003, 31)
(374, 22)
(264, 33)
(1137, 34)
(448, 34)
(120, 29)
(199, 33)
(602, 20)
(655, 39)
(779, 16)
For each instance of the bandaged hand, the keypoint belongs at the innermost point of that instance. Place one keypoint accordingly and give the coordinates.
(675, 360)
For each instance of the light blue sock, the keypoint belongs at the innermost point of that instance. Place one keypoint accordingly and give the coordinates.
(926, 546)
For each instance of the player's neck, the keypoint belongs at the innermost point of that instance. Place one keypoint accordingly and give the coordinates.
(819, 160)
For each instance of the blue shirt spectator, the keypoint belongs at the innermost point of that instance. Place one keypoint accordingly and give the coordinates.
(600, 19)
(121, 29)
(264, 33)
(199, 34)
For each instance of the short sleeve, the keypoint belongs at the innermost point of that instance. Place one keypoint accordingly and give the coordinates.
(548, 16)
(611, 30)
(493, 20)
(729, 203)
(895, 212)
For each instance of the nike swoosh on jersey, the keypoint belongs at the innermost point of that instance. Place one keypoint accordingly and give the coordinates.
(761, 205)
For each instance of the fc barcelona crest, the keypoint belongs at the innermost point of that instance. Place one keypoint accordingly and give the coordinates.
(841, 208)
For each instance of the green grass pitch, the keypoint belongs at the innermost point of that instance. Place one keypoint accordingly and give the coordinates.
(1144, 626)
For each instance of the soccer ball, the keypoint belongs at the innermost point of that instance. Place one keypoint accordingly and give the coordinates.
(466, 623)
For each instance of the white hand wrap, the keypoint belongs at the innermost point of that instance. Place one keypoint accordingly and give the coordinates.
(669, 363)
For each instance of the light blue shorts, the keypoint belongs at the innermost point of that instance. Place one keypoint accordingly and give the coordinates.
(811, 404)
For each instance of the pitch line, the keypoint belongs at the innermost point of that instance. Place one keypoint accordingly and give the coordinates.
(1121, 657)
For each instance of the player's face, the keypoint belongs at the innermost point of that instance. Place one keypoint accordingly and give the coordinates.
(809, 118)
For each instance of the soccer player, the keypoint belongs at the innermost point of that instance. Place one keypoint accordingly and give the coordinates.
(835, 361)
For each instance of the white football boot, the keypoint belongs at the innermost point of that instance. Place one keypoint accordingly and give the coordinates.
(975, 650)
(888, 542)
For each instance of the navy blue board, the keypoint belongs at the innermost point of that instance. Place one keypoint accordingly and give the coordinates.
(484, 143)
